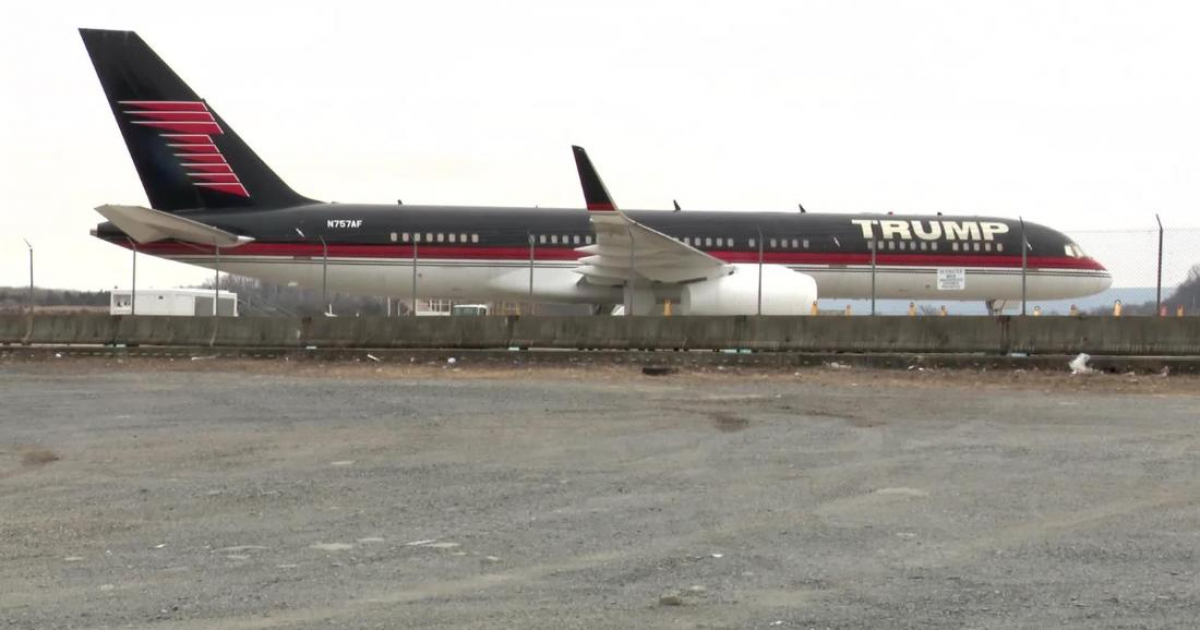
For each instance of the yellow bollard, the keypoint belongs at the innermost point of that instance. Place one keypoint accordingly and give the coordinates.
(848, 313)
(1074, 311)
(1117, 308)
(1037, 311)
(667, 308)
(944, 310)
(1179, 311)
(912, 309)
(815, 310)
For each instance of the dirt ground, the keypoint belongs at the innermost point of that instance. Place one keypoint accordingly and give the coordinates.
(283, 494)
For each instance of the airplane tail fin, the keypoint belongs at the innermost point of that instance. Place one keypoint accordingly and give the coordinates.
(594, 192)
(186, 156)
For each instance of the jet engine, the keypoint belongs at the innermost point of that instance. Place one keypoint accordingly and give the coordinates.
(784, 292)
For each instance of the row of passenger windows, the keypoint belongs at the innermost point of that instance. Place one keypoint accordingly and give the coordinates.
(707, 241)
(574, 239)
(442, 237)
(432, 237)
(933, 246)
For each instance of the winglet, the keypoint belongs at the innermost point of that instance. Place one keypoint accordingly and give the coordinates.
(594, 192)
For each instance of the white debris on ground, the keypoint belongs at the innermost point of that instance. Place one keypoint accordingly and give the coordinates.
(837, 366)
(1079, 365)
(337, 546)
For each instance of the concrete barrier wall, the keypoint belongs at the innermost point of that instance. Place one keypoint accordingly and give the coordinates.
(995, 335)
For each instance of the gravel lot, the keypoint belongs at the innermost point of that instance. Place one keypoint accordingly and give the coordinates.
(244, 494)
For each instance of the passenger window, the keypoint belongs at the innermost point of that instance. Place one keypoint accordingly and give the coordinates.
(773, 244)
(474, 238)
(752, 244)
(707, 241)
(795, 243)
(933, 246)
(429, 237)
(891, 244)
(575, 239)
(417, 237)
(441, 237)
(999, 247)
(987, 247)
(542, 239)
(924, 246)
(588, 239)
(405, 237)
(954, 246)
(394, 237)
(452, 237)
(976, 246)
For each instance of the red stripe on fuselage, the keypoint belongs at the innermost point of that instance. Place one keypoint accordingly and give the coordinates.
(487, 252)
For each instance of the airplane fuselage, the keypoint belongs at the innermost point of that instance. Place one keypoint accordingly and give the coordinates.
(491, 253)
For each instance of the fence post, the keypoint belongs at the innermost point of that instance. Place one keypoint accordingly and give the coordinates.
(27, 244)
(1158, 286)
(874, 246)
(217, 279)
(1024, 263)
(760, 269)
(133, 283)
(414, 276)
(631, 273)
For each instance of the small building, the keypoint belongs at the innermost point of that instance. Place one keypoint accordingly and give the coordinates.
(177, 302)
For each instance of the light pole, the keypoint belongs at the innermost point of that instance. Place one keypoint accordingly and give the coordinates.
(30, 246)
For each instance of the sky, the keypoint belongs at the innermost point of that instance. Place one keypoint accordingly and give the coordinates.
(1074, 114)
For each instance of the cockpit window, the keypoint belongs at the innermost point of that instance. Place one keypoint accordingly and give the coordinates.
(1074, 251)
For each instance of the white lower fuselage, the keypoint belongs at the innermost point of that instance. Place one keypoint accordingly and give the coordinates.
(555, 281)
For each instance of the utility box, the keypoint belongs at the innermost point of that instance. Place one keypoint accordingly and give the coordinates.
(177, 302)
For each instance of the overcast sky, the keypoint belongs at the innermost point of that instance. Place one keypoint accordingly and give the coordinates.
(1074, 114)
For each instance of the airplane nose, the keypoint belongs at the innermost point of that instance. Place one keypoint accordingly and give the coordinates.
(1103, 276)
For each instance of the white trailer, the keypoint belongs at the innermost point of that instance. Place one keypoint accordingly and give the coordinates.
(178, 302)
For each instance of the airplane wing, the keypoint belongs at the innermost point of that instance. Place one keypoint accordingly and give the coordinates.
(626, 250)
(145, 225)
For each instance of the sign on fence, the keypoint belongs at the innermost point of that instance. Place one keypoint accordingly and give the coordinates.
(952, 279)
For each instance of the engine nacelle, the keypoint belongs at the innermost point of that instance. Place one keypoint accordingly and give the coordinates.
(784, 292)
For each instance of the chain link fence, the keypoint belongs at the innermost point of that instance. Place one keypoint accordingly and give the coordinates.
(1134, 257)
(1150, 268)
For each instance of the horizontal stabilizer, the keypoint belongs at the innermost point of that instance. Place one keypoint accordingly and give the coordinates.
(146, 226)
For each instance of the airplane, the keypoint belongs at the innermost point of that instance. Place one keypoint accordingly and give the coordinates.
(214, 203)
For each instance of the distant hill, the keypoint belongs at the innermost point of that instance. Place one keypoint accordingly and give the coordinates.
(16, 299)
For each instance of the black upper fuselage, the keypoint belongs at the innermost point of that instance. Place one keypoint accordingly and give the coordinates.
(492, 227)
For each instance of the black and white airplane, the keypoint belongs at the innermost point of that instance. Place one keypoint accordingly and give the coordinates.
(214, 202)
